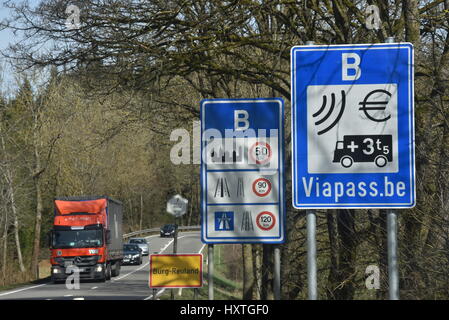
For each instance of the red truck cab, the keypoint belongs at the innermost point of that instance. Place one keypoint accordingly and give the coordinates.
(86, 238)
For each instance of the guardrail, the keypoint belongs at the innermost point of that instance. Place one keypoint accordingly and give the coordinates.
(157, 230)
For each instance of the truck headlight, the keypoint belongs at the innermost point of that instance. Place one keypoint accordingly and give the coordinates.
(99, 268)
(56, 270)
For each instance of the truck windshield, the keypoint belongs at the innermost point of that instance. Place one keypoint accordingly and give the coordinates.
(77, 239)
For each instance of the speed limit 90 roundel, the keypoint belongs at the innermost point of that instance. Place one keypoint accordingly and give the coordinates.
(261, 187)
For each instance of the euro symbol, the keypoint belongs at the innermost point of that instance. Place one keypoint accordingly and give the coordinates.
(381, 105)
(331, 110)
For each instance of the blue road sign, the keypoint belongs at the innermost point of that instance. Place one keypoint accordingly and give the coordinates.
(353, 126)
(224, 221)
(242, 171)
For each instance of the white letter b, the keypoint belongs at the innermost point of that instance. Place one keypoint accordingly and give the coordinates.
(353, 66)
(238, 120)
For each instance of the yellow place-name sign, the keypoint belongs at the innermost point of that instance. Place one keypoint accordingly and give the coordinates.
(176, 271)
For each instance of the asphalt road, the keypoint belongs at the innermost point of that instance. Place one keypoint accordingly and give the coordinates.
(132, 283)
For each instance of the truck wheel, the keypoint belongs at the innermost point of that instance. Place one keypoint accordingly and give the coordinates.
(381, 161)
(108, 272)
(103, 278)
(119, 267)
(346, 161)
(116, 269)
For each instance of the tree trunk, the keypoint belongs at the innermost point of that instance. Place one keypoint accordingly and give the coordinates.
(5, 248)
(37, 231)
(248, 272)
(267, 272)
(130, 209)
(11, 193)
(192, 195)
(347, 254)
(439, 222)
(141, 212)
(39, 206)
(332, 279)
(411, 19)
(383, 255)
(16, 229)
(412, 225)
(257, 266)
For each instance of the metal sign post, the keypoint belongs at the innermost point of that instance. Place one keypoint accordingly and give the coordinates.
(210, 270)
(311, 255)
(175, 238)
(393, 274)
(195, 294)
(277, 273)
(176, 206)
(175, 250)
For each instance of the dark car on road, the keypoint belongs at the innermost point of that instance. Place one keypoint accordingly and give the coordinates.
(132, 254)
(168, 230)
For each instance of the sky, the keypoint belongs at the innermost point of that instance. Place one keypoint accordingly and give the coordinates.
(6, 37)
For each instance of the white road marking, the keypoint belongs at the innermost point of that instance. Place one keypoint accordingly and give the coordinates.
(202, 248)
(11, 292)
(93, 288)
(115, 279)
(157, 294)
(166, 246)
(68, 295)
(80, 298)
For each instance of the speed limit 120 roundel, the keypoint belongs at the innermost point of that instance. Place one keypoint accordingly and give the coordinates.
(265, 220)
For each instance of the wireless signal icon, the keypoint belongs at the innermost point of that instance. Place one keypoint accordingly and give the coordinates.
(330, 112)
